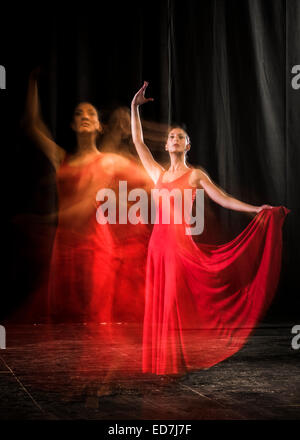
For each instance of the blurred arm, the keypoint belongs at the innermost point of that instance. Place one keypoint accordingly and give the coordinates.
(35, 127)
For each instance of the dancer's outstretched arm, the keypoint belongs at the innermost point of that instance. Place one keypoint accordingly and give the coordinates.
(151, 166)
(218, 195)
(36, 128)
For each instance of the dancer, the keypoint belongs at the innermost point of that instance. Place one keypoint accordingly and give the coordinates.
(85, 258)
(130, 239)
(117, 135)
(202, 301)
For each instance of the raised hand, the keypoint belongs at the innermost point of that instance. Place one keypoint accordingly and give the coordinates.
(139, 98)
(260, 208)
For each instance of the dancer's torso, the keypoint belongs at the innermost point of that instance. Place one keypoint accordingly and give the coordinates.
(180, 195)
(77, 186)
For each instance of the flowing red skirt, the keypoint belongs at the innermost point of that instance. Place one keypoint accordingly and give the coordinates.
(203, 301)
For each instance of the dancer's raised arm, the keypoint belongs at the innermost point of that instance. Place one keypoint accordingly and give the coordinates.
(36, 128)
(151, 166)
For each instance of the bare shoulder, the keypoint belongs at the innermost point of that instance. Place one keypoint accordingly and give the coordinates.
(113, 162)
(198, 175)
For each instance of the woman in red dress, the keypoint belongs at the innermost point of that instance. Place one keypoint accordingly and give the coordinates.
(86, 257)
(202, 301)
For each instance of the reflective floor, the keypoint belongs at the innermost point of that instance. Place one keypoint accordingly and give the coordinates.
(92, 372)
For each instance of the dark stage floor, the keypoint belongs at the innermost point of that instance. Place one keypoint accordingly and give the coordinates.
(58, 373)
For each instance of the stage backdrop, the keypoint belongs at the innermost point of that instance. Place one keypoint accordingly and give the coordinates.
(221, 67)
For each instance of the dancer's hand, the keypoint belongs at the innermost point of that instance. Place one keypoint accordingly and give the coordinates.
(260, 208)
(139, 97)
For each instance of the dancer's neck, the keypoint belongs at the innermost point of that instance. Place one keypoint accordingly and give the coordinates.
(178, 163)
(111, 141)
(86, 144)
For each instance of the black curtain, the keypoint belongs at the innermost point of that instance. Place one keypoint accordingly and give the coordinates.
(221, 67)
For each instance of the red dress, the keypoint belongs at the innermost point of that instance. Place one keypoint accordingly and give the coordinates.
(97, 270)
(84, 261)
(202, 301)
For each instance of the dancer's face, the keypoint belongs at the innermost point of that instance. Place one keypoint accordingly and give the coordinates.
(85, 119)
(177, 141)
(120, 120)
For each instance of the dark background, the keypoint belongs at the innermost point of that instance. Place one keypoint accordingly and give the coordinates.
(222, 67)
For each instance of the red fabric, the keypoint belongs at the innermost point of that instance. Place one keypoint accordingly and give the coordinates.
(202, 301)
(90, 262)
(83, 262)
